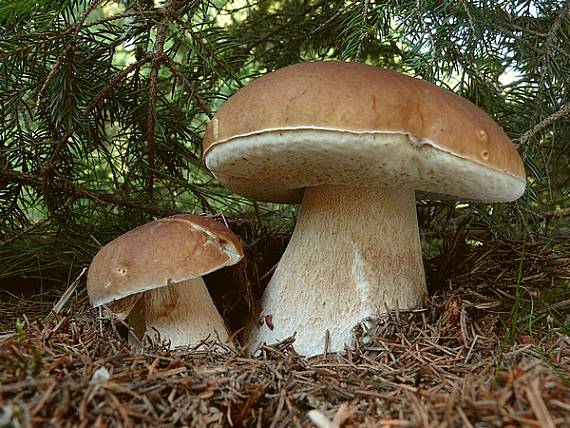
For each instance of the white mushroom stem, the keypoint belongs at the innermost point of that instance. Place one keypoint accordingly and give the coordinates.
(354, 252)
(182, 313)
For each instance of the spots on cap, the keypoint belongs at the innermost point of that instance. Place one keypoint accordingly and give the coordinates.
(482, 135)
(122, 271)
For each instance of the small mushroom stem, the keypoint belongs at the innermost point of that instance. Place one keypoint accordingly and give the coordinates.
(354, 252)
(182, 313)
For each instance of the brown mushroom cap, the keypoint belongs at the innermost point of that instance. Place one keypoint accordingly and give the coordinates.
(352, 124)
(156, 254)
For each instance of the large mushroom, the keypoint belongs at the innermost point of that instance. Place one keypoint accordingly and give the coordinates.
(153, 275)
(353, 143)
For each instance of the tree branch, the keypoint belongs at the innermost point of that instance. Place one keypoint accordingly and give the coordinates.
(61, 184)
(213, 55)
(199, 100)
(545, 123)
(118, 77)
(157, 59)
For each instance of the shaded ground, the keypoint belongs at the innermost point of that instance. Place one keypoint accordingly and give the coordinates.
(490, 349)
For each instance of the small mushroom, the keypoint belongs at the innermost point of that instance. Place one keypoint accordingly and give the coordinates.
(152, 275)
(354, 143)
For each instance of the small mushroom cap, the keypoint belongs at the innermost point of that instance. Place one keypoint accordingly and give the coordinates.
(160, 253)
(340, 123)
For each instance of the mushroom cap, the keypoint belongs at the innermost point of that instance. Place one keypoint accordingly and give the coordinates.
(159, 253)
(338, 123)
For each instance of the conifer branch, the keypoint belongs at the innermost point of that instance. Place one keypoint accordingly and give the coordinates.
(68, 51)
(157, 59)
(364, 34)
(189, 87)
(114, 82)
(545, 123)
(63, 185)
(206, 47)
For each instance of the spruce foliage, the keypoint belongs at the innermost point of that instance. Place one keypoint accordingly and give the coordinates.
(103, 103)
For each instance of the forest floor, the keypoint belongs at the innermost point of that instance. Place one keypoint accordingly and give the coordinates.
(490, 348)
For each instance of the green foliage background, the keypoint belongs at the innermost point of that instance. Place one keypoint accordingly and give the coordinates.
(103, 105)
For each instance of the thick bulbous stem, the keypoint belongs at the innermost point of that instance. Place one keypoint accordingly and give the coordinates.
(354, 253)
(182, 313)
